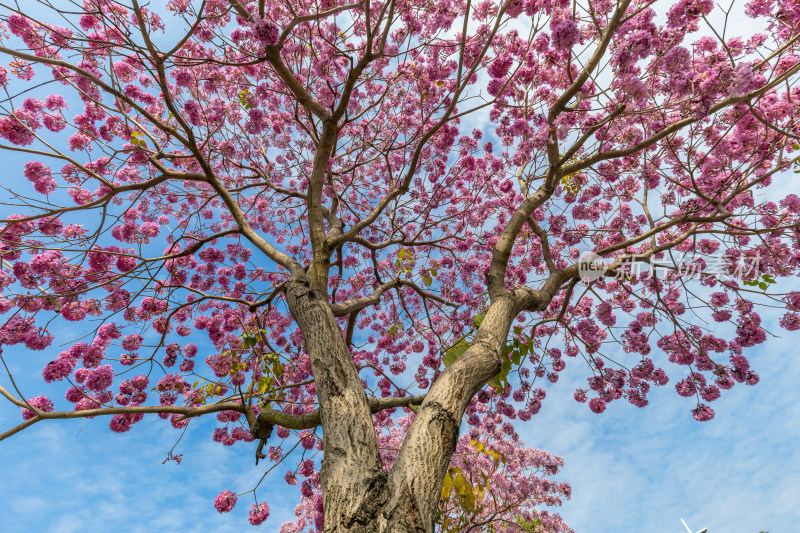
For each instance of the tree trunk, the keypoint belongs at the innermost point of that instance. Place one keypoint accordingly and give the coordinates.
(358, 495)
(351, 471)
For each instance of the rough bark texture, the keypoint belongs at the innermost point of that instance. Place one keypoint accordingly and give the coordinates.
(359, 496)
(351, 469)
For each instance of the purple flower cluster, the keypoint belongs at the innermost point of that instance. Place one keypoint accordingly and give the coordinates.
(742, 80)
(41, 177)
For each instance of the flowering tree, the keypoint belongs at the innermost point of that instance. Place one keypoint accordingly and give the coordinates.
(380, 229)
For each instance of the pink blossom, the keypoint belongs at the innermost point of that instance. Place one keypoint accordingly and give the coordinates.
(124, 71)
(54, 123)
(225, 501)
(132, 342)
(100, 378)
(79, 141)
(742, 80)
(265, 31)
(258, 513)
(790, 321)
(58, 369)
(54, 102)
(42, 403)
(122, 422)
(685, 11)
(499, 67)
(703, 413)
(74, 394)
(88, 22)
(140, 382)
(566, 35)
(515, 8)
(80, 196)
(597, 405)
(32, 105)
(109, 331)
(15, 131)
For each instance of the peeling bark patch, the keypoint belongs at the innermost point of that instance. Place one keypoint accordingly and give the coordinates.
(375, 498)
(447, 424)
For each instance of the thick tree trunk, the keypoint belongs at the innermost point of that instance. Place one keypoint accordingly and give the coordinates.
(358, 495)
(351, 471)
(416, 478)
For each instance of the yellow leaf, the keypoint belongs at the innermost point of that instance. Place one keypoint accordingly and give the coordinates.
(479, 493)
(460, 484)
(464, 488)
(447, 486)
(470, 499)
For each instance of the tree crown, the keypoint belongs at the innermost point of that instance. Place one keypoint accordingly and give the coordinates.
(540, 181)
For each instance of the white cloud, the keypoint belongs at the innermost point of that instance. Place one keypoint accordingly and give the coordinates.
(645, 469)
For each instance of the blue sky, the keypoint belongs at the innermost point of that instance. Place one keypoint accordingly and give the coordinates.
(630, 469)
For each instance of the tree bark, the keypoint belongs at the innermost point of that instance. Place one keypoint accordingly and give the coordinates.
(351, 470)
(358, 495)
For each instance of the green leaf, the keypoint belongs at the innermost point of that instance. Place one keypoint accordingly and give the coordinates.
(523, 350)
(264, 383)
(497, 386)
(502, 377)
(762, 286)
(479, 493)
(455, 352)
(428, 280)
(505, 368)
(478, 320)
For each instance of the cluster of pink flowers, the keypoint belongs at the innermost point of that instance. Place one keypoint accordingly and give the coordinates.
(122, 423)
(258, 514)
(265, 31)
(225, 501)
(42, 403)
(41, 177)
(566, 35)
